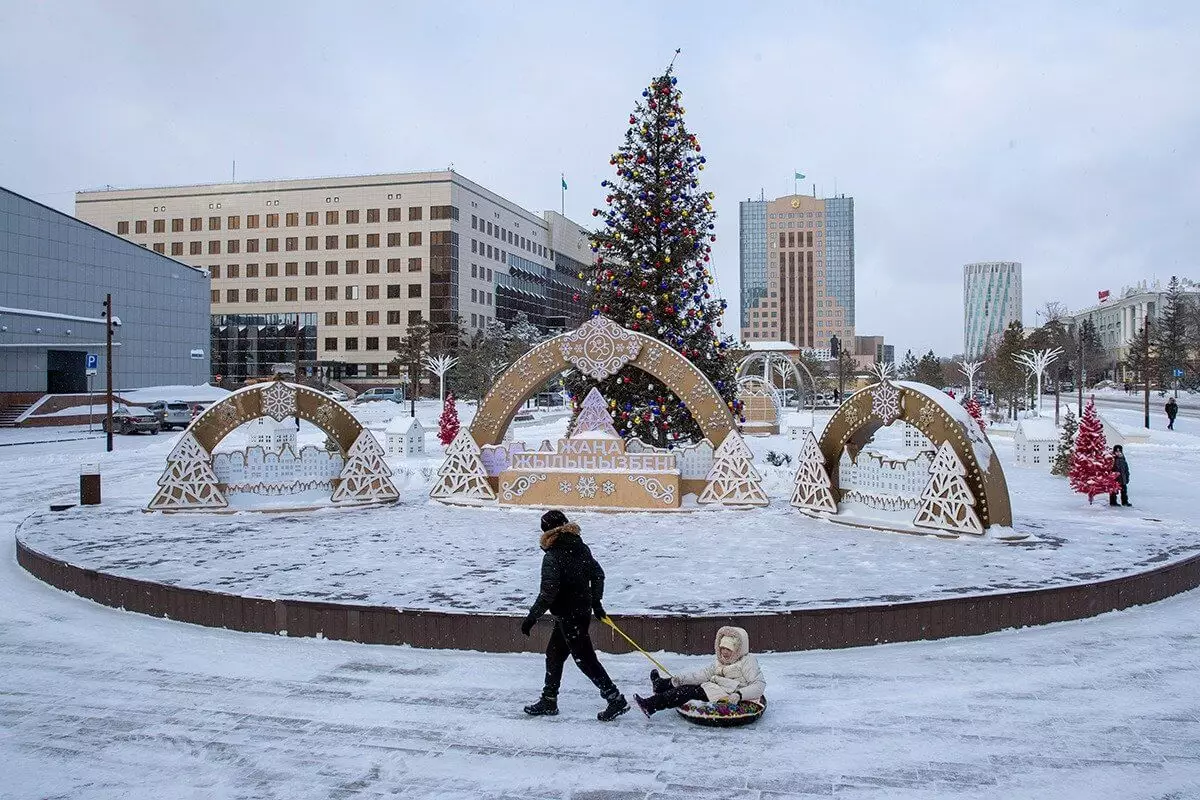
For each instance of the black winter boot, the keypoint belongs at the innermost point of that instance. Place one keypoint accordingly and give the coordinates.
(615, 708)
(646, 705)
(659, 683)
(545, 707)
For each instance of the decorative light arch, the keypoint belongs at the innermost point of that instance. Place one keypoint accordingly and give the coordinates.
(598, 348)
(795, 369)
(868, 410)
(188, 483)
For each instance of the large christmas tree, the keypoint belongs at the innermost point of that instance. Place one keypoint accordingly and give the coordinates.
(651, 272)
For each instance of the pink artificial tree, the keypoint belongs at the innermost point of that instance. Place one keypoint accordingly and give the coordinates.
(448, 422)
(1092, 465)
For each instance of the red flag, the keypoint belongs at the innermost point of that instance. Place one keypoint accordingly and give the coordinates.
(1102, 295)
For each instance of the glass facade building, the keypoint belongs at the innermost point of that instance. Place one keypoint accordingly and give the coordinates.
(54, 273)
(752, 245)
(991, 302)
(839, 254)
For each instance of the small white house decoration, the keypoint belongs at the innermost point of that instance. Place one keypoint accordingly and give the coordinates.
(271, 435)
(405, 437)
(1035, 441)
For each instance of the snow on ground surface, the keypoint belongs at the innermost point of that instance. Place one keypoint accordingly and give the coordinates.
(200, 393)
(424, 555)
(100, 704)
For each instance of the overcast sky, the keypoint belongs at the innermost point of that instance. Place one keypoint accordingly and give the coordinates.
(1063, 136)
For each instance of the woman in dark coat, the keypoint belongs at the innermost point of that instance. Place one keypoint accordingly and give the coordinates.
(1172, 409)
(572, 590)
(1121, 468)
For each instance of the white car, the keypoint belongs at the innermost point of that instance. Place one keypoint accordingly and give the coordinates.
(340, 396)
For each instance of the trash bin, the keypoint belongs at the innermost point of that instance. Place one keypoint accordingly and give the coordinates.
(89, 485)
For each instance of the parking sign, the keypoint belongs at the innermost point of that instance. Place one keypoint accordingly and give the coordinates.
(93, 363)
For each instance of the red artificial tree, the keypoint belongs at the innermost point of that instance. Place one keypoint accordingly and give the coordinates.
(448, 422)
(972, 406)
(1092, 465)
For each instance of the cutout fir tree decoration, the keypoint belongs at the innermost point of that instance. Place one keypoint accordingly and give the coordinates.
(366, 476)
(462, 474)
(594, 417)
(947, 502)
(1066, 445)
(812, 481)
(733, 479)
(448, 422)
(1091, 469)
(189, 480)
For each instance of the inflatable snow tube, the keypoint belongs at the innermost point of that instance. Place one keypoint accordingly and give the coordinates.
(723, 715)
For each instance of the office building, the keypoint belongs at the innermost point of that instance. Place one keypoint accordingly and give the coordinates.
(797, 270)
(991, 302)
(352, 262)
(54, 274)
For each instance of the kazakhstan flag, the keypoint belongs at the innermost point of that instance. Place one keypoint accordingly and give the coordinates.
(564, 182)
(799, 176)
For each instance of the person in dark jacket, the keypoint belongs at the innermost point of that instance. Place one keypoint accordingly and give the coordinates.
(1172, 409)
(572, 591)
(1121, 468)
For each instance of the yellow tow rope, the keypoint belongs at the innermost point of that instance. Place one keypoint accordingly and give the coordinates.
(608, 621)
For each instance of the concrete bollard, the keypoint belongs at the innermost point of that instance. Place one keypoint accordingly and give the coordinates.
(89, 485)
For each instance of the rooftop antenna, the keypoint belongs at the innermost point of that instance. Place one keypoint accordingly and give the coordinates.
(234, 178)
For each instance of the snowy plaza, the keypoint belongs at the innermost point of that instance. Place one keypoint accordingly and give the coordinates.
(102, 703)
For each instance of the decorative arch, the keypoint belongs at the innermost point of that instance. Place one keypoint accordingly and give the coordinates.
(598, 348)
(189, 483)
(943, 422)
(765, 360)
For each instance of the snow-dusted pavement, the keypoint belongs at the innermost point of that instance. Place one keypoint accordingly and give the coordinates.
(99, 704)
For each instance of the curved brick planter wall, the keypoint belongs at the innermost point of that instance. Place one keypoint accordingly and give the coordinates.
(808, 629)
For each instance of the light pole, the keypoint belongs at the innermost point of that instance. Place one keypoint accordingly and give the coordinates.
(1036, 361)
(108, 358)
(440, 365)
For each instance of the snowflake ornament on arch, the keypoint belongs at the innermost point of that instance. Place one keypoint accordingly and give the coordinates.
(586, 487)
(278, 401)
(885, 402)
(882, 371)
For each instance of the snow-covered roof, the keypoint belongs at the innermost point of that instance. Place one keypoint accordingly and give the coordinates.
(770, 346)
(403, 424)
(979, 444)
(1041, 428)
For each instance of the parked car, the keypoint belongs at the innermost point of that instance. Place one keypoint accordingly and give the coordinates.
(171, 413)
(393, 393)
(338, 395)
(129, 420)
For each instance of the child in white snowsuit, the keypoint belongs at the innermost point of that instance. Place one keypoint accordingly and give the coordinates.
(733, 676)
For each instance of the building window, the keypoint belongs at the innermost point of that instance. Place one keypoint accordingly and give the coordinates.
(176, 248)
(351, 217)
(393, 342)
(393, 291)
(351, 341)
(195, 248)
(231, 295)
(352, 267)
(231, 223)
(414, 290)
(331, 293)
(123, 227)
(272, 245)
(372, 317)
(231, 246)
(395, 239)
(330, 318)
(331, 242)
(372, 215)
(252, 245)
(443, 212)
(310, 268)
(310, 293)
(351, 292)
(252, 220)
(352, 241)
(252, 295)
(214, 271)
(414, 318)
(310, 242)
(215, 296)
(291, 243)
(372, 240)
(331, 343)
(331, 268)
(393, 265)
(214, 223)
(331, 218)
(393, 318)
(414, 238)
(290, 268)
(139, 226)
(311, 218)
(233, 271)
(291, 219)
(160, 247)
(214, 248)
(289, 294)
(373, 291)
(160, 226)
(395, 215)
(372, 266)
(252, 270)
(272, 270)
(372, 343)
(414, 265)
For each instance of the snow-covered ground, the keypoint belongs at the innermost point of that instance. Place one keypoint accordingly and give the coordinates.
(102, 704)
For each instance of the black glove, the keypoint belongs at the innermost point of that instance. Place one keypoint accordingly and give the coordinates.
(527, 625)
(599, 611)
(659, 683)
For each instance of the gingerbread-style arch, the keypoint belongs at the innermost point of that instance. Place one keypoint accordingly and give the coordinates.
(598, 348)
(866, 411)
(189, 483)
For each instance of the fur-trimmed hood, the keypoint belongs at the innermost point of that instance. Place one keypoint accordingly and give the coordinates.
(742, 637)
(550, 537)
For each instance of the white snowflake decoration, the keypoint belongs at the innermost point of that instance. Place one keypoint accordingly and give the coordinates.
(278, 401)
(885, 402)
(608, 487)
(586, 487)
(883, 371)
(564, 487)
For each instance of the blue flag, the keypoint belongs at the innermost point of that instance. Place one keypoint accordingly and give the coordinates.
(564, 181)
(799, 176)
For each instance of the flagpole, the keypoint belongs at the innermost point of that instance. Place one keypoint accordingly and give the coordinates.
(563, 193)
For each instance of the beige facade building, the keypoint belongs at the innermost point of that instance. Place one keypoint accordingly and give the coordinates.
(797, 270)
(354, 261)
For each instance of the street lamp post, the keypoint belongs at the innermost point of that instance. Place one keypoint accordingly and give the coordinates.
(108, 364)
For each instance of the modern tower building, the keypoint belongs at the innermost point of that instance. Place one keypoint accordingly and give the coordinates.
(342, 266)
(797, 270)
(991, 302)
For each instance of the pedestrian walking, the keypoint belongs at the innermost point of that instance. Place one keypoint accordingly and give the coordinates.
(1172, 409)
(1121, 468)
(572, 590)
